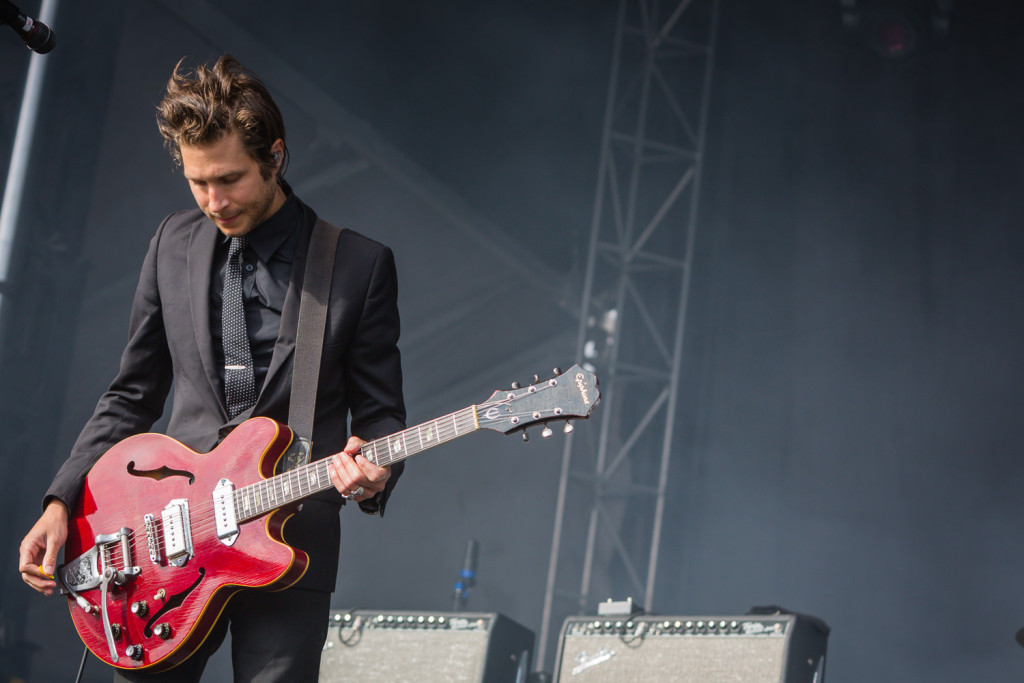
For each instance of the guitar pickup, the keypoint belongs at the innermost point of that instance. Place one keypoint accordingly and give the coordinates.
(177, 532)
(224, 512)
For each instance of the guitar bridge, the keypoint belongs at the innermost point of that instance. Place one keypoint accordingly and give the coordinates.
(151, 540)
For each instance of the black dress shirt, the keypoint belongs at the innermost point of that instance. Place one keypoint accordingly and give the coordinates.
(266, 270)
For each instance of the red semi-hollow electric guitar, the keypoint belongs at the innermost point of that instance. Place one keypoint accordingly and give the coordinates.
(161, 536)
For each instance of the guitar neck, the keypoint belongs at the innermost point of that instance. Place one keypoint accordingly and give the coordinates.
(264, 496)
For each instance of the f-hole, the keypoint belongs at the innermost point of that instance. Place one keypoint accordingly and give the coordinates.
(172, 602)
(160, 473)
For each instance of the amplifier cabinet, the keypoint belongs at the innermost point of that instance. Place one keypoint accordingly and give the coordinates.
(712, 649)
(425, 647)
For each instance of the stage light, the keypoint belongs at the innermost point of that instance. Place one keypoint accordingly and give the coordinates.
(893, 37)
(896, 29)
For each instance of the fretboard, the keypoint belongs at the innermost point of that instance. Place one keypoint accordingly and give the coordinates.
(264, 496)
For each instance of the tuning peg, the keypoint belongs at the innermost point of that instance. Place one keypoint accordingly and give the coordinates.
(526, 437)
(516, 385)
(546, 432)
(568, 427)
(557, 371)
(536, 379)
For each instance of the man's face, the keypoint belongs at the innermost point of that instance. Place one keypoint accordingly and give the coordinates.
(227, 184)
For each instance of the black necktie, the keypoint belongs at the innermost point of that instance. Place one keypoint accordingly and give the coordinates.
(239, 385)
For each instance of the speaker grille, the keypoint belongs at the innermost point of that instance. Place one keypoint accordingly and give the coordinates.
(683, 649)
(424, 647)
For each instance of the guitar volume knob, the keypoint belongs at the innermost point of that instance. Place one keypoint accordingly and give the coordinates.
(163, 631)
(139, 608)
(134, 652)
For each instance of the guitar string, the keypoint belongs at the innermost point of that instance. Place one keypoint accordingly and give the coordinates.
(264, 492)
(271, 489)
(442, 432)
(277, 485)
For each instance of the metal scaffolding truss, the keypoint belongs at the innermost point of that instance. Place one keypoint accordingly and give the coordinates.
(633, 311)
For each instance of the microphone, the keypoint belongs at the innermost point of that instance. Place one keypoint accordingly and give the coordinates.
(37, 35)
(467, 578)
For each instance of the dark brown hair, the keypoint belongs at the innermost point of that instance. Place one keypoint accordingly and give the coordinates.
(202, 107)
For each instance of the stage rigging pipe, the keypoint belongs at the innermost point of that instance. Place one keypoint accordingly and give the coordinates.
(23, 137)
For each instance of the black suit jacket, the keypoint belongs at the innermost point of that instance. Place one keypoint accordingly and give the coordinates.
(169, 342)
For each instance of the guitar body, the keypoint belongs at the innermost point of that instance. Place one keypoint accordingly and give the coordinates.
(162, 536)
(140, 476)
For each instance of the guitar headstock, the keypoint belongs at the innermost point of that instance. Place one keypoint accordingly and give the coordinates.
(569, 395)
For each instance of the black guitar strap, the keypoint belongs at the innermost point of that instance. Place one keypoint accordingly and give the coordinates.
(309, 334)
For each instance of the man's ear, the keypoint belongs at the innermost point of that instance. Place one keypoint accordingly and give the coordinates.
(277, 151)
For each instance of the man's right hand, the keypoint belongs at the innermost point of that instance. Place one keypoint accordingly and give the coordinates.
(40, 546)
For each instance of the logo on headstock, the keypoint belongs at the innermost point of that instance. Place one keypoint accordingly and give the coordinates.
(581, 385)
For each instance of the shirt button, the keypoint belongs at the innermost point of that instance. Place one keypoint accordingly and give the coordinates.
(248, 267)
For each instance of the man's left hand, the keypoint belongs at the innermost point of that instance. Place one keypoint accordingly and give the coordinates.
(353, 475)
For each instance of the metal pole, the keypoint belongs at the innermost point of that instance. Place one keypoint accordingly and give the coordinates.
(677, 351)
(626, 252)
(556, 540)
(23, 137)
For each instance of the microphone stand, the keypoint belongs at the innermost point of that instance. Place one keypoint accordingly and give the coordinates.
(467, 577)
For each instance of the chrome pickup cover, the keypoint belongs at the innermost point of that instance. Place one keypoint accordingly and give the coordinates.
(224, 512)
(177, 530)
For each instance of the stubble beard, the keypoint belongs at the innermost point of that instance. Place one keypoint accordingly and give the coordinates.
(257, 212)
(267, 201)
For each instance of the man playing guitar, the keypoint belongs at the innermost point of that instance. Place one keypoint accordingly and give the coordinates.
(230, 360)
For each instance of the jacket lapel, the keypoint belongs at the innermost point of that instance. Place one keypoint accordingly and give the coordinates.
(202, 244)
(285, 346)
